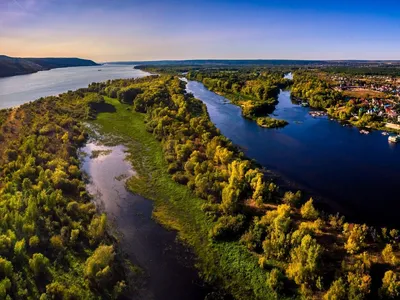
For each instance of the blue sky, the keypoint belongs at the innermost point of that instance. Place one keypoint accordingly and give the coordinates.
(115, 30)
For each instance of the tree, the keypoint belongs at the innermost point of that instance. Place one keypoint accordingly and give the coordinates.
(275, 280)
(5, 285)
(308, 211)
(277, 241)
(98, 265)
(337, 291)
(291, 198)
(356, 237)
(97, 228)
(230, 198)
(6, 267)
(304, 263)
(56, 242)
(259, 190)
(389, 256)
(390, 285)
(359, 285)
(39, 264)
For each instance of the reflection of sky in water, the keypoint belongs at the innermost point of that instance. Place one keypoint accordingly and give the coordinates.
(108, 172)
(168, 265)
(359, 171)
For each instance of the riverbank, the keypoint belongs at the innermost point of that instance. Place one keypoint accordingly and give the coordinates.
(177, 208)
(165, 268)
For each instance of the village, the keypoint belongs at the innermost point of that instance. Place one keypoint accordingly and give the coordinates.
(374, 95)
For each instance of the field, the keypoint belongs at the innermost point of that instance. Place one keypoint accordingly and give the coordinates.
(364, 93)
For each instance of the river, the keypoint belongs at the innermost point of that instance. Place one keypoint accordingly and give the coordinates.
(169, 272)
(17, 90)
(357, 172)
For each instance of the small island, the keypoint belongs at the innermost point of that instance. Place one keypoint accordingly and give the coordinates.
(268, 122)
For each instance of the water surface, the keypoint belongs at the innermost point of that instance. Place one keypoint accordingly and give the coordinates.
(359, 172)
(17, 90)
(168, 266)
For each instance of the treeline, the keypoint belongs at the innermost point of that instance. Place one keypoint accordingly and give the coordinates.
(370, 70)
(305, 253)
(53, 242)
(308, 86)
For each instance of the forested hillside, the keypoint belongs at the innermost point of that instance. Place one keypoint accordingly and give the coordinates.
(10, 66)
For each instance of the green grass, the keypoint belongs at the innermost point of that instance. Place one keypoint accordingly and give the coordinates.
(228, 264)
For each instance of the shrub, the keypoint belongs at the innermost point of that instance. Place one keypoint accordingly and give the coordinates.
(389, 256)
(390, 286)
(227, 227)
(337, 291)
(292, 198)
(308, 211)
(98, 265)
(39, 264)
(275, 280)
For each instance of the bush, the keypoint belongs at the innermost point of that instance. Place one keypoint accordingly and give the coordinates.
(275, 280)
(291, 198)
(337, 291)
(227, 227)
(308, 211)
(389, 256)
(390, 286)
(304, 263)
(98, 266)
(39, 264)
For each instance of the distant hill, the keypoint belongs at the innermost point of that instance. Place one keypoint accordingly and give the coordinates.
(10, 66)
(261, 62)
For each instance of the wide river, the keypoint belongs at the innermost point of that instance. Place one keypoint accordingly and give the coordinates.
(17, 90)
(359, 173)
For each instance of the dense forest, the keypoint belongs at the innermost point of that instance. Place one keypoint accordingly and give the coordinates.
(309, 86)
(388, 70)
(54, 243)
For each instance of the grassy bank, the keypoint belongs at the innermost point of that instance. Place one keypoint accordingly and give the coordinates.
(226, 263)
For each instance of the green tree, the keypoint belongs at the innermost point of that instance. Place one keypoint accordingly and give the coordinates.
(356, 237)
(308, 211)
(291, 198)
(337, 291)
(390, 286)
(304, 262)
(39, 264)
(359, 285)
(98, 265)
(389, 256)
(275, 280)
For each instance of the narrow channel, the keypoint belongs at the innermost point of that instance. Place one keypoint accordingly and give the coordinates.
(168, 266)
(358, 172)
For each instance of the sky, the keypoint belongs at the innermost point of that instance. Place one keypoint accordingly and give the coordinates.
(131, 30)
